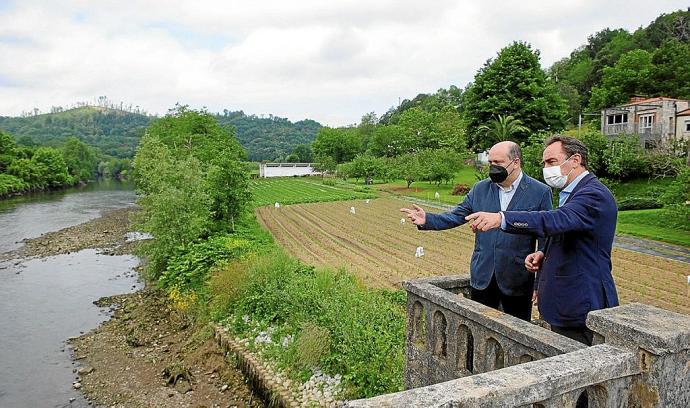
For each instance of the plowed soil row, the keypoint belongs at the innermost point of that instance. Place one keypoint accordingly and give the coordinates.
(373, 245)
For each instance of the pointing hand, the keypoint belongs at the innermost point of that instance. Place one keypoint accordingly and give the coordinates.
(416, 215)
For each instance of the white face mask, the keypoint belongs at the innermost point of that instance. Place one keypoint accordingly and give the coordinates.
(553, 176)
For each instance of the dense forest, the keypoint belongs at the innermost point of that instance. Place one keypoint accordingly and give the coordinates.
(269, 139)
(611, 66)
(116, 132)
(513, 98)
(38, 168)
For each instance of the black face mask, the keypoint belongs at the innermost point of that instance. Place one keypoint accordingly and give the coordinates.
(498, 174)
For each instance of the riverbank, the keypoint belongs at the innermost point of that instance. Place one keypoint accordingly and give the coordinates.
(107, 233)
(147, 354)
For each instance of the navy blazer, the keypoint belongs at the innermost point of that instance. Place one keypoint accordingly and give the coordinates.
(575, 277)
(496, 252)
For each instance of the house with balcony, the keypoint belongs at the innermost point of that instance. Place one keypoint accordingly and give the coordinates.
(654, 120)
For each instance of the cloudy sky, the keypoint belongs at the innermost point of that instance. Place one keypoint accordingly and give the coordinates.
(331, 61)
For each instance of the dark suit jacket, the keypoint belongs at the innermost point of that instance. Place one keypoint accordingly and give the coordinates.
(576, 272)
(496, 252)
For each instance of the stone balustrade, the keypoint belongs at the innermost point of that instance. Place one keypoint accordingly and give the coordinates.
(463, 354)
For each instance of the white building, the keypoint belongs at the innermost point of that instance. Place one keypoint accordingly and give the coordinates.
(286, 169)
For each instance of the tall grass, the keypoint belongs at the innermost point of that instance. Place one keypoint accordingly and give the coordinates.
(338, 325)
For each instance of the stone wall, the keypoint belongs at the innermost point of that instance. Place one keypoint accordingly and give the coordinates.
(463, 354)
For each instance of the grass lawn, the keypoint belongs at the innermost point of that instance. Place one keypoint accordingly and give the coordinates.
(427, 191)
(641, 188)
(658, 224)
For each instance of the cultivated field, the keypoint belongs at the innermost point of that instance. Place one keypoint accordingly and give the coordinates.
(297, 190)
(373, 245)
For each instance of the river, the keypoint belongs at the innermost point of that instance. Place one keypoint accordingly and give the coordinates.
(45, 301)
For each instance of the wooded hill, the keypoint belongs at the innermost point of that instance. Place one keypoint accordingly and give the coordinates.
(117, 132)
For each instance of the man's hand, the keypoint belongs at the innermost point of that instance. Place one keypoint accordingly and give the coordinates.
(484, 221)
(416, 215)
(533, 261)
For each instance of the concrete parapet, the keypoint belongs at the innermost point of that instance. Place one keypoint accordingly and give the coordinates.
(463, 354)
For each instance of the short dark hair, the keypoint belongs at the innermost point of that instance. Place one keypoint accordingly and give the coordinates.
(514, 152)
(570, 146)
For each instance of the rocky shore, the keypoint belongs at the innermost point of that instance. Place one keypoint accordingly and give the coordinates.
(109, 233)
(147, 354)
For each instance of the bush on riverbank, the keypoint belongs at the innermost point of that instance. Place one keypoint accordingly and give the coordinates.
(306, 319)
(11, 185)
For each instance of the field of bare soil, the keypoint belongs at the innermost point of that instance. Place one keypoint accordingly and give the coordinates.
(374, 245)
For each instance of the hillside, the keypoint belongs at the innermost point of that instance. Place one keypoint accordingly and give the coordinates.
(117, 132)
(269, 138)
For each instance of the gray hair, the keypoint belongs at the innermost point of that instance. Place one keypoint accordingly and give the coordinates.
(570, 146)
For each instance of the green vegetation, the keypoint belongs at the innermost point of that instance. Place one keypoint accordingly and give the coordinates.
(188, 167)
(24, 168)
(526, 94)
(298, 190)
(467, 175)
(615, 64)
(115, 132)
(272, 138)
(319, 318)
(670, 225)
(214, 261)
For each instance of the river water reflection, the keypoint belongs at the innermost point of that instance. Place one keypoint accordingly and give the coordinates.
(45, 301)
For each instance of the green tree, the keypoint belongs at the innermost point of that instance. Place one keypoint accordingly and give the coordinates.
(51, 168)
(502, 128)
(409, 168)
(391, 141)
(339, 144)
(188, 168)
(80, 159)
(440, 165)
(630, 76)
(7, 150)
(670, 74)
(512, 84)
(303, 153)
(228, 189)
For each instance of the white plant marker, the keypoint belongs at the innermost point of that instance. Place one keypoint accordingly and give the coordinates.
(367, 201)
(277, 205)
(437, 196)
(402, 221)
(352, 210)
(419, 252)
(688, 279)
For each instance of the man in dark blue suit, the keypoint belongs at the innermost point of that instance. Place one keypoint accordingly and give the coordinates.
(497, 271)
(575, 276)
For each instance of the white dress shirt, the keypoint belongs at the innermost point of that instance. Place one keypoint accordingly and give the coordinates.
(505, 194)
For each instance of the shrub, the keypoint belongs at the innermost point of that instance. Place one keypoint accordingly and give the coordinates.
(10, 184)
(460, 189)
(285, 299)
(679, 190)
(638, 203)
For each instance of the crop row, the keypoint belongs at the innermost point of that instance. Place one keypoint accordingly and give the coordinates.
(297, 190)
(374, 245)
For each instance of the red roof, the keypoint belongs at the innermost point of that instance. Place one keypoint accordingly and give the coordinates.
(648, 100)
(683, 113)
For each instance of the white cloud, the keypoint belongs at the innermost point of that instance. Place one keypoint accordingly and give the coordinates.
(329, 61)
